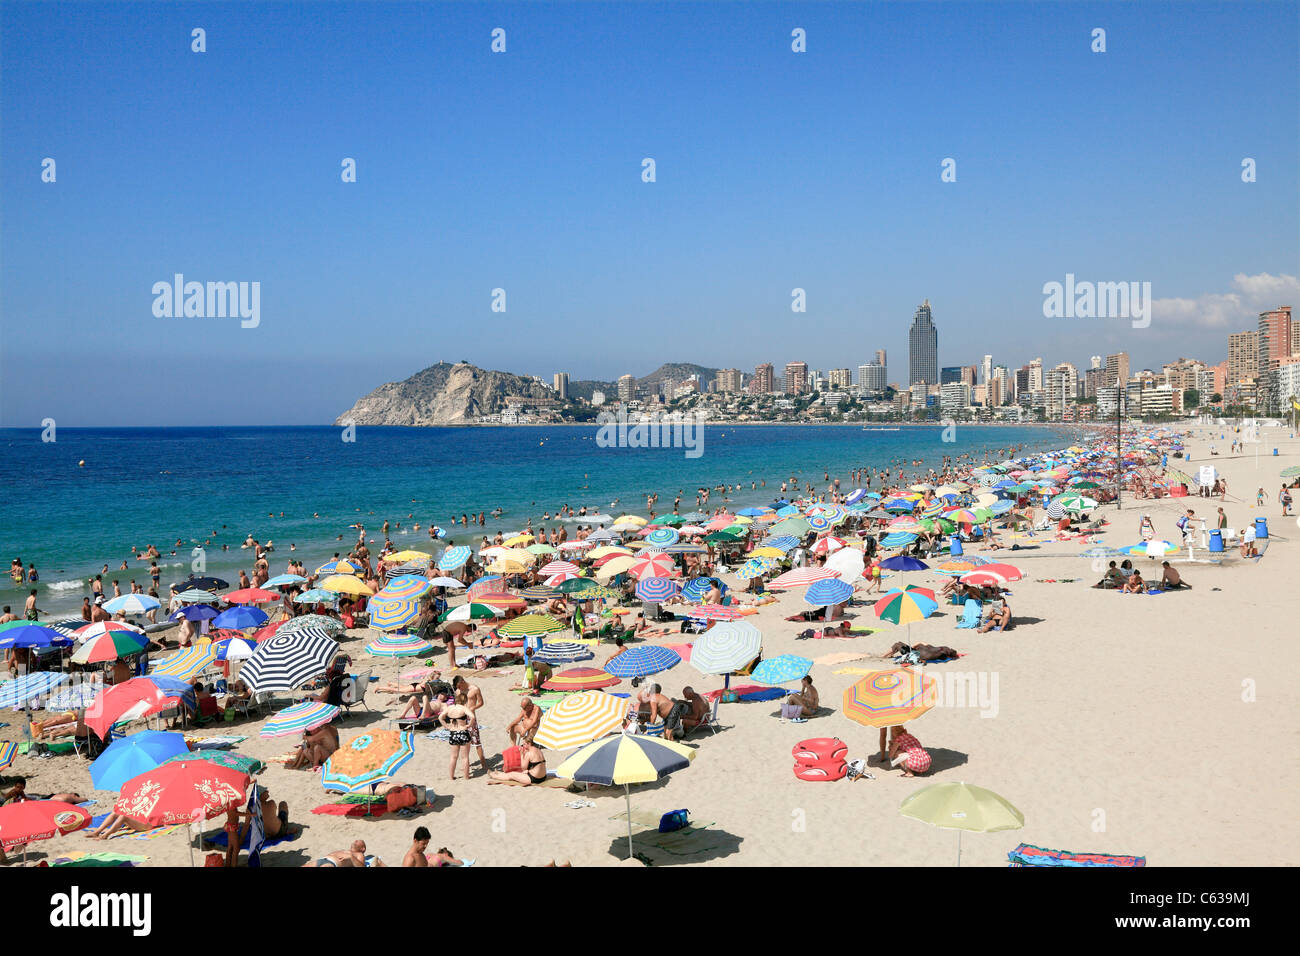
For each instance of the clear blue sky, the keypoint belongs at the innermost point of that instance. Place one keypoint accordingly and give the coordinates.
(775, 170)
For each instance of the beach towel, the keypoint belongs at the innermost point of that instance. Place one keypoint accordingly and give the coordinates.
(220, 838)
(551, 782)
(1026, 854)
(970, 616)
(857, 670)
(82, 858)
(133, 835)
(223, 742)
(842, 657)
(351, 810)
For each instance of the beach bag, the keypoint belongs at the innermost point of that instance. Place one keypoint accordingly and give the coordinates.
(512, 760)
(400, 798)
(214, 859)
(674, 820)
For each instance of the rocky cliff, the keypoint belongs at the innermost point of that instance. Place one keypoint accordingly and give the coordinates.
(443, 394)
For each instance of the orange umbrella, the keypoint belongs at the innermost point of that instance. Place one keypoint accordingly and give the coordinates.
(889, 698)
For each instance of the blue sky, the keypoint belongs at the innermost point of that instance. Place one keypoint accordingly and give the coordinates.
(522, 170)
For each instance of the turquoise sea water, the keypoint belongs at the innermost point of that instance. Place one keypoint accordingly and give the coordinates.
(143, 486)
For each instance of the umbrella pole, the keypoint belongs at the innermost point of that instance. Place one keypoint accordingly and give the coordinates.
(627, 798)
(959, 849)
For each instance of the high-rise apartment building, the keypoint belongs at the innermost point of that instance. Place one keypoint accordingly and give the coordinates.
(796, 378)
(923, 348)
(1243, 357)
(873, 377)
(761, 383)
(1117, 369)
(728, 380)
(561, 384)
(839, 378)
(626, 388)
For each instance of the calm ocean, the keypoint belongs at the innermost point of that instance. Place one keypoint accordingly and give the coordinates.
(143, 486)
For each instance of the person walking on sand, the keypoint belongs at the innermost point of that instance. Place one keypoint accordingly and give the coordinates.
(1283, 498)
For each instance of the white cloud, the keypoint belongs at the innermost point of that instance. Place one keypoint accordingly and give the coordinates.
(1235, 310)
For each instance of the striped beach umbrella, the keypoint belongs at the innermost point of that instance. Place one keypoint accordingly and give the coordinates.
(287, 661)
(802, 577)
(239, 617)
(8, 751)
(502, 602)
(697, 588)
(559, 567)
(234, 648)
(904, 607)
(662, 536)
(320, 622)
(1055, 510)
(109, 646)
(539, 592)
(308, 715)
(782, 669)
(187, 664)
(756, 567)
(563, 652)
(135, 604)
(653, 564)
(828, 591)
(472, 611)
(682, 547)
(399, 645)
(828, 545)
(714, 612)
(403, 588)
(454, 558)
(726, 647)
(818, 523)
(579, 719)
(656, 589)
(317, 596)
(782, 542)
(389, 615)
(626, 759)
(367, 759)
(530, 625)
(89, 632)
(580, 678)
(136, 698)
(1008, 572)
(890, 697)
(643, 660)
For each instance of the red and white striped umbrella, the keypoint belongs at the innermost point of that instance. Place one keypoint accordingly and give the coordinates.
(559, 567)
(89, 632)
(828, 545)
(802, 577)
(714, 612)
(654, 564)
(555, 580)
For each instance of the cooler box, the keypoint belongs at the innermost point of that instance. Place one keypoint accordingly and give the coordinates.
(1261, 527)
(1216, 540)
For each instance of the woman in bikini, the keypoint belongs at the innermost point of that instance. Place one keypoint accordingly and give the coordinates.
(534, 765)
(457, 719)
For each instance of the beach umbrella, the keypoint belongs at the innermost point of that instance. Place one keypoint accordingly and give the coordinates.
(195, 612)
(849, 562)
(502, 602)
(308, 715)
(177, 791)
(239, 763)
(316, 596)
(642, 661)
(454, 558)
(471, 611)
(251, 596)
(530, 625)
(87, 632)
(795, 526)
(581, 678)
(726, 647)
(389, 615)
(403, 588)
(1072, 502)
(409, 556)
(962, 806)
(27, 821)
(109, 646)
(203, 583)
(399, 645)
(317, 622)
(904, 607)
(195, 596)
(682, 548)
(8, 751)
(367, 759)
(284, 580)
(20, 690)
(662, 536)
(756, 567)
(339, 566)
(563, 652)
(234, 648)
(287, 661)
(656, 589)
(539, 592)
(625, 759)
(802, 577)
(653, 564)
(346, 584)
(26, 634)
(185, 664)
(828, 591)
(697, 588)
(607, 551)
(130, 756)
(132, 604)
(818, 523)
(828, 544)
(1292, 472)
(901, 562)
(782, 542)
(540, 549)
(239, 617)
(781, 670)
(890, 697)
(714, 612)
(579, 719)
(1008, 572)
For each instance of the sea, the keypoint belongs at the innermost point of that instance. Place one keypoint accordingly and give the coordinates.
(75, 504)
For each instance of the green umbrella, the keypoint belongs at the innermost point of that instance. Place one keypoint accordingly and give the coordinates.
(576, 585)
(962, 806)
(1292, 472)
(239, 762)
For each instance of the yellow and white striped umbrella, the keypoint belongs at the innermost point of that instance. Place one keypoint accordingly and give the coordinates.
(579, 719)
(187, 663)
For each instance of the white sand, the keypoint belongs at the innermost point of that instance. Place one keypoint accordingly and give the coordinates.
(1150, 725)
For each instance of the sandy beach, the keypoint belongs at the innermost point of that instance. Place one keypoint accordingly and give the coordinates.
(1150, 725)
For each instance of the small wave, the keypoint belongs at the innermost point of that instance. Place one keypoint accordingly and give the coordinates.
(69, 585)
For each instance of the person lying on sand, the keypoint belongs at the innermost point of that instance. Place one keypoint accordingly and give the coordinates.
(18, 793)
(112, 824)
(354, 856)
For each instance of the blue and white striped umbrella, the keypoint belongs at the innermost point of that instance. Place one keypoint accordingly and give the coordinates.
(857, 495)
(696, 588)
(286, 661)
(642, 661)
(319, 622)
(132, 604)
(787, 511)
(454, 558)
(828, 591)
(317, 596)
(726, 647)
(661, 536)
(781, 670)
(234, 649)
(29, 686)
(783, 542)
(563, 652)
(308, 715)
(896, 539)
(656, 589)
(76, 697)
(1055, 510)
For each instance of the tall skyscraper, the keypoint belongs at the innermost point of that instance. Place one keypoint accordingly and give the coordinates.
(1274, 345)
(762, 382)
(986, 369)
(1243, 357)
(873, 377)
(1117, 369)
(923, 348)
(561, 381)
(728, 380)
(796, 378)
(626, 388)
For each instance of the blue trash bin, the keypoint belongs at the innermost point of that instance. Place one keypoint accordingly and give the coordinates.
(1216, 540)
(954, 546)
(1261, 528)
